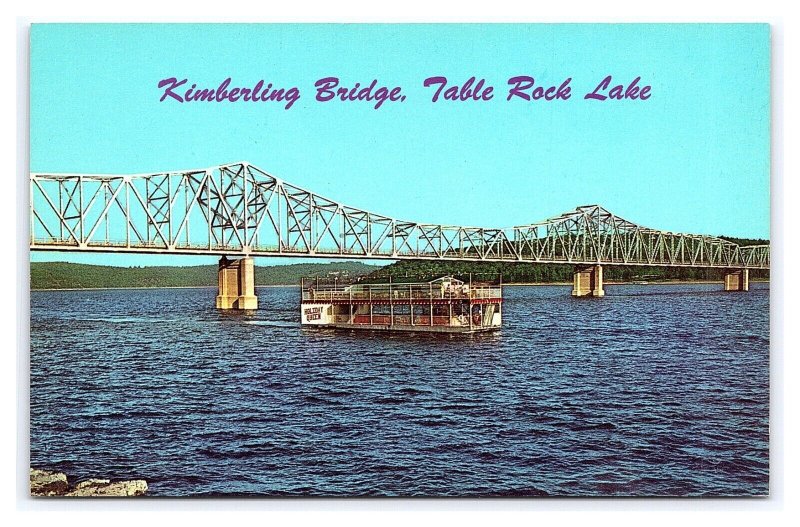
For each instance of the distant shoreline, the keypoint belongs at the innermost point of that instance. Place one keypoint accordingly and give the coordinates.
(522, 284)
(147, 287)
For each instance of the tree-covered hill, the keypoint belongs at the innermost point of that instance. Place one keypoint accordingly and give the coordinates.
(525, 273)
(60, 275)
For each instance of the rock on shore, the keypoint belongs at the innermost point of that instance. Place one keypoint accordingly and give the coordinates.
(46, 483)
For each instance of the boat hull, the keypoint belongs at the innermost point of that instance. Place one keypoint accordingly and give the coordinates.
(415, 329)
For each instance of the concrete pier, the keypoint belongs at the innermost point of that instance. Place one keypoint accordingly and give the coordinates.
(737, 280)
(236, 284)
(588, 281)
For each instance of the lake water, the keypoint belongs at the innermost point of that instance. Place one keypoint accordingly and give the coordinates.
(651, 391)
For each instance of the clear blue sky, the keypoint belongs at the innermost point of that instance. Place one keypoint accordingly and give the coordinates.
(693, 158)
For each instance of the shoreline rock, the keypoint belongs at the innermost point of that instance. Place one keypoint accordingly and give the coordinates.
(48, 483)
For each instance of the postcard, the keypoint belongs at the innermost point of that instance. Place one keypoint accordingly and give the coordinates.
(399, 260)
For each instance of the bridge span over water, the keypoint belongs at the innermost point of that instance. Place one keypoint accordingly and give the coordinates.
(240, 211)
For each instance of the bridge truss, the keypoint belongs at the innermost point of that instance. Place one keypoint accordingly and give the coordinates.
(241, 210)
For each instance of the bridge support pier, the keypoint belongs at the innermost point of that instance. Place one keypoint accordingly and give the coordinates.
(737, 280)
(587, 280)
(236, 284)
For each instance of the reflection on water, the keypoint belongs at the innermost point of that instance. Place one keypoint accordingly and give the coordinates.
(652, 390)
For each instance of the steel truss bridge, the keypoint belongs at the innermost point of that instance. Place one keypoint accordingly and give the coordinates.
(241, 210)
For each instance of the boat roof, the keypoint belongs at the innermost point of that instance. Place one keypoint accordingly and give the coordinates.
(446, 279)
(435, 281)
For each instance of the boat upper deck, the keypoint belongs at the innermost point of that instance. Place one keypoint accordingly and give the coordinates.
(446, 289)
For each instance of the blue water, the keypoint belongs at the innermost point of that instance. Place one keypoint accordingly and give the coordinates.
(651, 391)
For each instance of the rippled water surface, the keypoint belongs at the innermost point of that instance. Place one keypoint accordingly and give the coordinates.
(652, 390)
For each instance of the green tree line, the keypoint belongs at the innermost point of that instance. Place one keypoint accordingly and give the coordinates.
(60, 275)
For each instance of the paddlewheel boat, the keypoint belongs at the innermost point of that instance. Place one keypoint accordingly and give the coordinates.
(443, 305)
